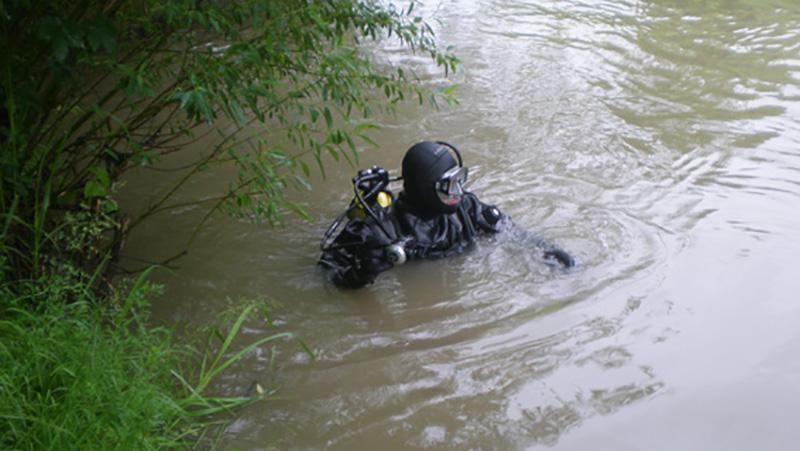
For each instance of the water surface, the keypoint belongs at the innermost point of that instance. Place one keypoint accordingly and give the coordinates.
(657, 140)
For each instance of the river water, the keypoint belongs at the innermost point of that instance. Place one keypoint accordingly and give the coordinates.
(657, 140)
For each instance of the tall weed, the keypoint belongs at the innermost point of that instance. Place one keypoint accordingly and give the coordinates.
(75, 376)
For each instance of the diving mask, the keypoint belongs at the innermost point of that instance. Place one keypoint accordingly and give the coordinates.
(450, 186)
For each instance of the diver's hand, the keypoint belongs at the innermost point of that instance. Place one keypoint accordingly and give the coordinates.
(560, 256)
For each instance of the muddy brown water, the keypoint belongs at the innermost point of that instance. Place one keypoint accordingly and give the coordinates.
(658, 141)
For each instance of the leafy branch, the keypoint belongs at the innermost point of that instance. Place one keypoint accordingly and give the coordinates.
(91, 90)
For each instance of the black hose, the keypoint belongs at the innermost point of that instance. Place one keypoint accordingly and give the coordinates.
(326, 244)
(368, 209)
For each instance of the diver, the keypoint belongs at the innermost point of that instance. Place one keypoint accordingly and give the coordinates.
(433, 217)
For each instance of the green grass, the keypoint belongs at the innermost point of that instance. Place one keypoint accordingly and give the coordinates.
(68, 382)
(74, 375)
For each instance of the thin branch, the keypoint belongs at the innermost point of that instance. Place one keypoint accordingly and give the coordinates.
(163, 263)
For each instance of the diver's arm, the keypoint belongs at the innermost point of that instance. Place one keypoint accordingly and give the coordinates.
(489, 218)
(356, 256)
(550, 251)
(345, 270)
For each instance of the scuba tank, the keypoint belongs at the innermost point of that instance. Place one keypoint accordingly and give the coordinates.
(371, 196)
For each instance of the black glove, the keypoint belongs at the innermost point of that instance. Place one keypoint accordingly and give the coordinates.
(491, 214)
(560, 256)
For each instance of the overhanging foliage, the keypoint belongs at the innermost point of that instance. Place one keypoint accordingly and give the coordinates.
(93, 89)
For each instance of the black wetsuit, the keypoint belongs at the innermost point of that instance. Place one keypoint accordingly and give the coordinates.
(358, 254)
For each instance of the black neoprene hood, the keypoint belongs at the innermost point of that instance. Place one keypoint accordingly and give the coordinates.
(423, 164)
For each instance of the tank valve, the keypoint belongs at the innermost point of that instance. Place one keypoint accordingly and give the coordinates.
(396, 253)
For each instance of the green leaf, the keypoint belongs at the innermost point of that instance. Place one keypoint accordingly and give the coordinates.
(238, 113)
(102, 35)
(450, 90)
(299, 211)
(144, 158)
(93, 189)
(364, 126)
(53, 30)
(186, 100)
(369, 141)
(328, 117)
(60, 49)
(304, 167)
(98, 185)
(110, 206)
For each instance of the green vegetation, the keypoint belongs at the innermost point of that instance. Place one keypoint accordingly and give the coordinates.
(90, 90)
(78, 377)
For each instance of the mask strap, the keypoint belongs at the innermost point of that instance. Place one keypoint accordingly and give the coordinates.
(458, 154)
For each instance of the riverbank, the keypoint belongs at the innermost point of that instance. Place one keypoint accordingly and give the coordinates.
(79, 372)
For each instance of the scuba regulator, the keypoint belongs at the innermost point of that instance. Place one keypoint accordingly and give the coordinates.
(371, 188)
(371, 196)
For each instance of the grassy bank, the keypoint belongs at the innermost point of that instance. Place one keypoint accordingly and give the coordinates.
(75, 375)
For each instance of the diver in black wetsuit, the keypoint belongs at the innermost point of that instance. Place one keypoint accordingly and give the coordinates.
(432, 218)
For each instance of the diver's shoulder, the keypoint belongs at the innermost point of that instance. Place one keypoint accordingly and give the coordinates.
(471, 199)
